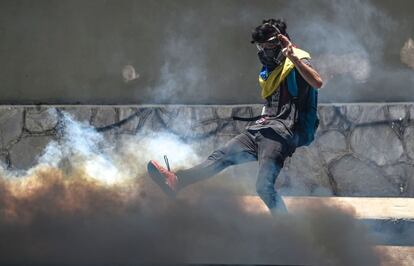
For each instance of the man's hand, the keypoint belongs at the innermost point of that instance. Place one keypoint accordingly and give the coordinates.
(307, 72)
(287, 48)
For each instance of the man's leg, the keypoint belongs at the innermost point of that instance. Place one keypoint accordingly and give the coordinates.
(240, 149)
(272, 152)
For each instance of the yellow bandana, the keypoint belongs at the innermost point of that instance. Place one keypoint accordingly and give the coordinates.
(272, 83)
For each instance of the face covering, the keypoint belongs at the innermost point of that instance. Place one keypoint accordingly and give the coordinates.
(271, 58)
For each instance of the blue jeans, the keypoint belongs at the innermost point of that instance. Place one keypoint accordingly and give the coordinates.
(265, 146)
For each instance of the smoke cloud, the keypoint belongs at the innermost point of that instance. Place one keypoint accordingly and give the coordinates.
(204, 64)
(88, 201)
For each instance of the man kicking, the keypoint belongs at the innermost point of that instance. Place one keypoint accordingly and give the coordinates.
(278, 131)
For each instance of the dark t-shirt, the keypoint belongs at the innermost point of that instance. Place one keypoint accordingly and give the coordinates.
(280, 110)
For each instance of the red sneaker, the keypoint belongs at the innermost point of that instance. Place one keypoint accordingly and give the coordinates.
(167, 180)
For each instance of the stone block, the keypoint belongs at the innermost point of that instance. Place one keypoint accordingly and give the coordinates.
(379, 144)
(306, 172)
(155, 123)
(146, 115)
(397, 112)
(132, 125)
(224, 112)
(11, 125)
(409, 141)
(205, 121)
(104, 116)
(203, 113)
(24, 154)
(177, 120)
(353, 112)
(41, 119)
(78, 113)
(356, 178)
(401, 175)
(365, 114)
(327, 116)
(189, 121)
(332, 144)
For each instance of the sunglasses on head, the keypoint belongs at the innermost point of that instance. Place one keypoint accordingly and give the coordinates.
(271, 43)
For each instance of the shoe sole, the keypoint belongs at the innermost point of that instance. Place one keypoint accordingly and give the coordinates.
(160, 180)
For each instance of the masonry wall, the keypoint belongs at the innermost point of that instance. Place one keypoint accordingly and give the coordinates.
(360, 149)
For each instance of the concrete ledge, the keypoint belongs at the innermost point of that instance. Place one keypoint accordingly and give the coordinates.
(363, 208)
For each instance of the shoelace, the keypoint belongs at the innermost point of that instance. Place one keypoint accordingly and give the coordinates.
(167, 163)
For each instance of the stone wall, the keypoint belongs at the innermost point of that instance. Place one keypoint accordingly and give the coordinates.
(360, 149)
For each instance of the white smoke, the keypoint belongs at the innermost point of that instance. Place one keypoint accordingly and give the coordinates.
(183, 70)
(352, 65)
(345, 42)
(136, 151)
(82, 148)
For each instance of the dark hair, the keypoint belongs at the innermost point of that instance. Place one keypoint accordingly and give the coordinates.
(267, 29)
